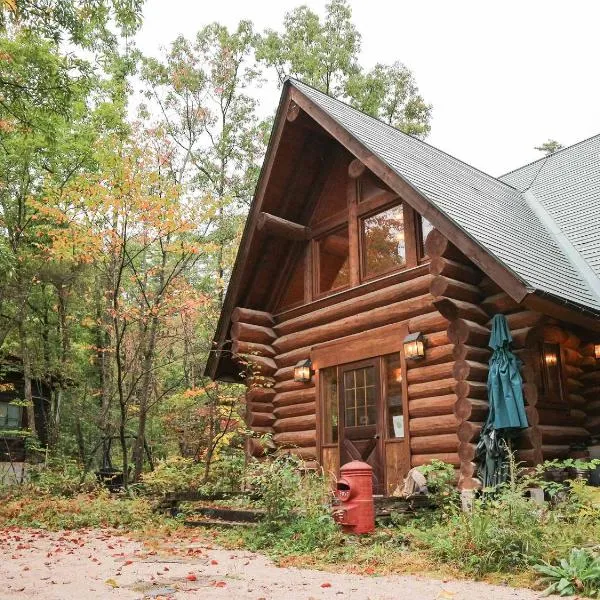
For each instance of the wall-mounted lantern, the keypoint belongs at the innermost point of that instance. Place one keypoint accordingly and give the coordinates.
(597, 351)
(303, 371)
(550, 356)
(414, 346)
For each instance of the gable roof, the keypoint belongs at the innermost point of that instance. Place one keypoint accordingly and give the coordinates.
(492, 212)
(523, 229)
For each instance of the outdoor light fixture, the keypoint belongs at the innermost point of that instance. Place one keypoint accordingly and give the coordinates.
(550, 358)
(597, 351)
(303, 371)
(414, 346)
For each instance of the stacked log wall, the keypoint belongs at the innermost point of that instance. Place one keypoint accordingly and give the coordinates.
(295, 404)
(591, 390)
(446, 414)
(252, 336)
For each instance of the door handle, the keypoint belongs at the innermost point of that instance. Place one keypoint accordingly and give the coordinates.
(376, 436)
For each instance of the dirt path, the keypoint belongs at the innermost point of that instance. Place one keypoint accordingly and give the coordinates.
(94, 565)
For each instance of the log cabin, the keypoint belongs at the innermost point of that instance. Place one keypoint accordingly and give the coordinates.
(375, 262)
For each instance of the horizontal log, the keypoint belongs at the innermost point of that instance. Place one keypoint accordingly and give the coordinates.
(259, 407)
(295, 410)
(302, 439)
(593, 425)
(471, 409)
(560, 434)
(299, 423)
(377, 317)
(530, 393)
(284, 374)
(577, 400)
(278, 227)
(464, 352)
(574, 385)
(429, 373)
(437, 245)
(418, 460)
(241, 347)
(308, 453)
(553, 416)
(433, 444)
(553, 452)
(294, 397)
(572, 357)
(431, 406)
(438, 338)
(593, 408)
(578, 417)
(254, 317)
(468, 370)
(259, 381)
(428, 323)
(522, 319)
(489, 287)
(572, 371)
(292, 357)
(588, 362)
(553, 334)
(378, 298)
(289, 385)
(526, 337)
(591, 392)
(533, 418)
(572, 341)
(470, 389)
(252, 333)
(591, 378)
(530, 457)
(259, 419)
(441, 387)
(435, 356)
(528, 438)
(458, 290)
(256, 447)
(468, 469)
(260, 394)
(468, 431)
(499, 303)
(433, 425)
(459, 309)
(257, 365)
(462, 331)
(452, 269)
(588, 349)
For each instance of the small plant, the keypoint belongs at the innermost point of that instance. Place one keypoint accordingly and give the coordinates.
(579, 573)
(441, 483)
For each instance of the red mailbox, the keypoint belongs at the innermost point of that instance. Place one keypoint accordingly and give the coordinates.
(354, 490)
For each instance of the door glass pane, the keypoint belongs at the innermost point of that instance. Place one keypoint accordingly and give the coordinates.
(329, 385)
(360, 397)
(333, 261)
(393, 378)
(384, 247)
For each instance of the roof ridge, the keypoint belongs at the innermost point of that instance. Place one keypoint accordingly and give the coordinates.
(293, 80)
(571, 253)
(550, 155)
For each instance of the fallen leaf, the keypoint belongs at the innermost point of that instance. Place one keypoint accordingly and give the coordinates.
(191, 577)
(325, 585)
(214, 562)
(112, 583)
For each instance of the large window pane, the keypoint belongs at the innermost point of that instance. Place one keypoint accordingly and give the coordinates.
(329, 385)
(333, 261)
(384, 247)
(359, 397)
(10, 416)
(393, 378)
(426, 228)
(294, 293)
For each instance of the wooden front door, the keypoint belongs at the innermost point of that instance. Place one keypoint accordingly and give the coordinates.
(360, 417)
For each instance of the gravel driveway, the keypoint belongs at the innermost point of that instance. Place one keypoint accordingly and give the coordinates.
(94, 564)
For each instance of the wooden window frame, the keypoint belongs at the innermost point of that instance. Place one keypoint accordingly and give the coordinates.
(546, 401)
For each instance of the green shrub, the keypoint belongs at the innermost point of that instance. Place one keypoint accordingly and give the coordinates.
(60, 477)
(174, 474)
(579, 573)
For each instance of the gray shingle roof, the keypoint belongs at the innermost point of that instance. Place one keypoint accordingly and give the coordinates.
(493, 212)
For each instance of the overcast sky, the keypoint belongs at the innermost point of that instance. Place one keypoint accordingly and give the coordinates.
(502, 76)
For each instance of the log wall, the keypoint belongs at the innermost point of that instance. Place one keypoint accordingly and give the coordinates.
(452, 305)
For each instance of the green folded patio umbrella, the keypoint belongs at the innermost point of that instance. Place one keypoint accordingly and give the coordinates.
(506, 415)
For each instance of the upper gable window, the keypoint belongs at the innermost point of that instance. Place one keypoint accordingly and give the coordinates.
(383, 242)
(294, 291)
(425, 228)
(333, 251)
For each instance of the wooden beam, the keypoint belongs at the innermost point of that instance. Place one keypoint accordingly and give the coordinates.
(292, 112)
(276, 226)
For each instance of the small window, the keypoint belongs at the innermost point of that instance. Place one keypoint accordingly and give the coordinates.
(383, 243)
(425, 229)
(10, 416)
(552, 389)
(329, 385)
(359, 397)
(333, 253)
(393, 379)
